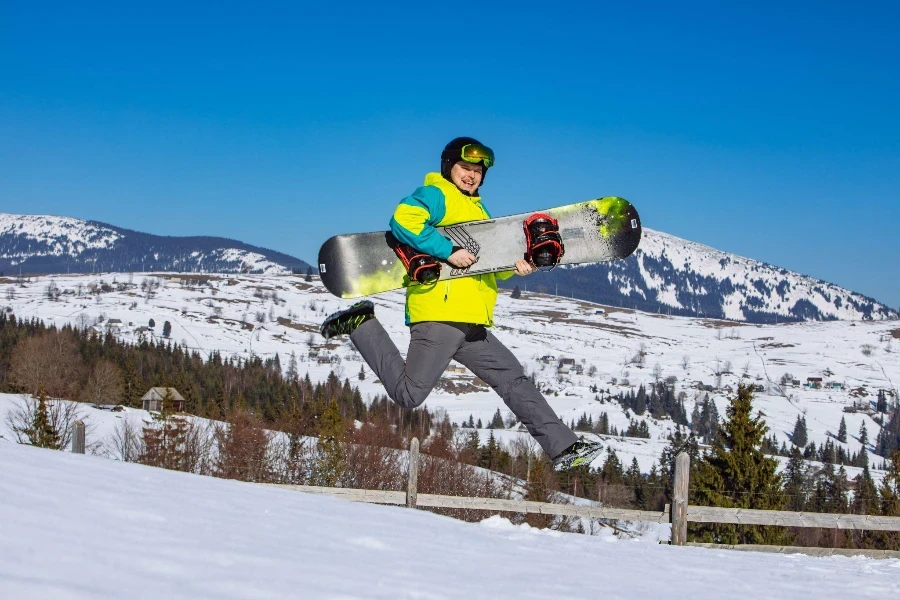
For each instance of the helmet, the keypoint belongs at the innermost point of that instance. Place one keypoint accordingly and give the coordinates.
(452, 154)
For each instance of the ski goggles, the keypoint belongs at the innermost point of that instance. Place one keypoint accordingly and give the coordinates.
(476, 153)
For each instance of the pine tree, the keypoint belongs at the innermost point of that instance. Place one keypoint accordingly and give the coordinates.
(865, 500)
(331, 456)
(737, 474)
(799, 437)
(293, 374)
(890, 488)
(167, 329)
(640, 401)
(842, 431)
(42, 432)
(309, 274)
(496, 421)
(795, 481)
(516, 293)
(864, 436)
(490, 453)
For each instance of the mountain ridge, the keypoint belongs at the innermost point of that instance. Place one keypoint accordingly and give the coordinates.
(675, 276)
(43, 244)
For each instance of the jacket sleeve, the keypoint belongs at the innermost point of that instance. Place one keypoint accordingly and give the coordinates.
(501, 275)
(416, 218)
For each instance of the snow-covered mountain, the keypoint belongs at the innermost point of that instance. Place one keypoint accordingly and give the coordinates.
(667, 274)
(47, 244)
(674, 276)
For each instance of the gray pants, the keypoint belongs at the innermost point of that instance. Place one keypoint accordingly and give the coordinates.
(431, 347)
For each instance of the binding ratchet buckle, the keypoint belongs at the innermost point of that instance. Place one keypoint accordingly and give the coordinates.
(544, 247)
(420, 267)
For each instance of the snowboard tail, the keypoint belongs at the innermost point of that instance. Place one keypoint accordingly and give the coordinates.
(363, 264)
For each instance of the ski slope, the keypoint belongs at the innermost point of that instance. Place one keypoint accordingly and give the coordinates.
(80, 527)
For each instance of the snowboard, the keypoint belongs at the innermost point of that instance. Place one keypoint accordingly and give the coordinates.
(362, 264)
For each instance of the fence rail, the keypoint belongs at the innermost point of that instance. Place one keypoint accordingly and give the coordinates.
(679, 515)
(493, 504)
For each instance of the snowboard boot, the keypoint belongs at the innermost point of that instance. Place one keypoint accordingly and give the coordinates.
(346, 321)
(582, 452)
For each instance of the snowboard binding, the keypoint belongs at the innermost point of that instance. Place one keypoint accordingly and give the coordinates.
(544, 247)
(420, 267)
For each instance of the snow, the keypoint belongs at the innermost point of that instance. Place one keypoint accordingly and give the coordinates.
(80, 527)
(224, 315)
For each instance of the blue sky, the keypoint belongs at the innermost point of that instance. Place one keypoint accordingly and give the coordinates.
(769, 130)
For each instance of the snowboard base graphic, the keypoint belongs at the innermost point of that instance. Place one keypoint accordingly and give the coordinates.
(362, 264)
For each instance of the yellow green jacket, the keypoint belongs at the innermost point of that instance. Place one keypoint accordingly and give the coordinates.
(462, 300)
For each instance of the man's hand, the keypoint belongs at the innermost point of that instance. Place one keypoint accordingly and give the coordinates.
(462, 258)
(523, 267)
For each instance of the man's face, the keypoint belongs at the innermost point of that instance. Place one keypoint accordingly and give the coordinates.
(466, 176)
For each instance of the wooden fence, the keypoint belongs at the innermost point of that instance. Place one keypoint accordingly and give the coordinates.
(680, 514)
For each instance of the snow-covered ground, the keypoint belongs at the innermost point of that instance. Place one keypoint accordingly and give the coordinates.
(80, 527)
(243, 315)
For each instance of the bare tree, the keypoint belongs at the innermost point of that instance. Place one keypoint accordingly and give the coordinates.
(105, 384)
(49, 361)
(125, 441)
(243, 449)
(685, 362)
(83, 321)
(60, 416)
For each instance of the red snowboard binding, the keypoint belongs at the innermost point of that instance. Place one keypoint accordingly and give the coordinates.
(544, 247)
(420, 267)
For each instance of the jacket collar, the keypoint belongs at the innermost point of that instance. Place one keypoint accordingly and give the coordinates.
(438, 181)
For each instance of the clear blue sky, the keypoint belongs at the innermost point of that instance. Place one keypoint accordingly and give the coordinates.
(767, 130)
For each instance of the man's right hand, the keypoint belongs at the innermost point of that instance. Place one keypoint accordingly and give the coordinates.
(462, 258)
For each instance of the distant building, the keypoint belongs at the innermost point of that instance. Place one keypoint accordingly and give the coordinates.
(455, 368)
(153, 399)
(834, 385)
(814, 383)
(114, 324)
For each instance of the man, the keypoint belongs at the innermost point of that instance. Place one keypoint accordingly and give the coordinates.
(451, 319)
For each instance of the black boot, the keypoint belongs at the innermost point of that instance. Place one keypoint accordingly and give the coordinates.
(582, 452)
(346, 321)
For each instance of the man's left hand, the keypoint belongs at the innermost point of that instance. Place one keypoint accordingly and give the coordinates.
(523, 267)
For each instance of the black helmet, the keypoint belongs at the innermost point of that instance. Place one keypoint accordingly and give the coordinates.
(452, 154)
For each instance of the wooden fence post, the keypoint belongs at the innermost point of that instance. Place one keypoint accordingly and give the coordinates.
(78, 437)
(680, 500)
(413, 481)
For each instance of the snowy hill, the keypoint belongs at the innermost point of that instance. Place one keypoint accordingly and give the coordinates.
(615, 349)
(674, 276)
(46, 244)
(110, 530)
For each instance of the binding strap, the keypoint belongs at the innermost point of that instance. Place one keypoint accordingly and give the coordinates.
(543, 244)
(420, 267)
